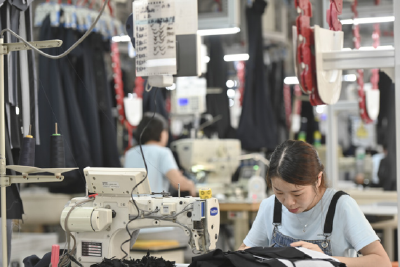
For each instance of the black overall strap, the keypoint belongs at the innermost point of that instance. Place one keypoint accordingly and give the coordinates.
(331, 213)
(277, 212)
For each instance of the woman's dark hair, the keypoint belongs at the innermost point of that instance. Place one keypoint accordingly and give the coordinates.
(154, 128)
(296, 162)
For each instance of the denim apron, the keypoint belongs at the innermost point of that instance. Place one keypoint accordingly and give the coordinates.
(281, 240)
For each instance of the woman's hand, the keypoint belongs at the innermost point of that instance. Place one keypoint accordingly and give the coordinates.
(307, 245)
(243, 247)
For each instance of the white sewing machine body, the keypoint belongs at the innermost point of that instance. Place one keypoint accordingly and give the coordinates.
(99, 226)
(219, 158)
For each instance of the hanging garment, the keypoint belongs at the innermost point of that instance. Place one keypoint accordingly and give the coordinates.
(310, 126)
(33, 77)
(387, 132)
(87, 99)
(257, 126)
(218, 104)
(265, 257)
(79, 139)
(154, 101)
(104, 97)
(13, 199)
(53, 109)
(9, 16)
(276, 76)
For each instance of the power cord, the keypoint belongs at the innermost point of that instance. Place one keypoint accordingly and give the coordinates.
(145, 165)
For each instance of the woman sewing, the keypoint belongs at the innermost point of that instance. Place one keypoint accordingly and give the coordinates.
(305, 213)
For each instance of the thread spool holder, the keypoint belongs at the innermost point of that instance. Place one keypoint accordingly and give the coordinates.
(5, 180)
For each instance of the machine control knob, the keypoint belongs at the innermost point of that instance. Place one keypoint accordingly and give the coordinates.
(189, 214)
(114, 213)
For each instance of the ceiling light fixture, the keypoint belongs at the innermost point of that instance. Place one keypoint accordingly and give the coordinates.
(123, 38)
(218, 31)
(237, 57)
(367, 20)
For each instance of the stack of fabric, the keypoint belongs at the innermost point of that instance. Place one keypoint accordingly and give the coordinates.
(266, 257)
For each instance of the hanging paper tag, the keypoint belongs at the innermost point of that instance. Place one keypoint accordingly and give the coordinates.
(154, 23)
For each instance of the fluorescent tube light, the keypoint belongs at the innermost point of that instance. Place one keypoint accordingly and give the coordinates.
(294, 80)
(237, 57)
(349, 78)
(124, 38)
(381, 47)
(367, 20)
(218, 31)
(291, 80)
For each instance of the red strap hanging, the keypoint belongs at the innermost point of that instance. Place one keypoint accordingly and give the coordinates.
(360, 77)
(119, 91)
(305, 58)
(335, 9)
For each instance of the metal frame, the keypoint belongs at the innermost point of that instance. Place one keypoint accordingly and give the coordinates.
(396, 10)
(364, 59)
(4, 179)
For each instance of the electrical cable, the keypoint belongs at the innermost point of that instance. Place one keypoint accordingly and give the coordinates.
(145, 177)
(69, 49)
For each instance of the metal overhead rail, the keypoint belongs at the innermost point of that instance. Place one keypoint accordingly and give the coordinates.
(358, 59)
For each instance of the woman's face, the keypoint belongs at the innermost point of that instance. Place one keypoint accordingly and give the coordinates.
(296, 198)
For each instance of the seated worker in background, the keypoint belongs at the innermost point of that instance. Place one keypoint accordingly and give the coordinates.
(297, 215)
(162, 167)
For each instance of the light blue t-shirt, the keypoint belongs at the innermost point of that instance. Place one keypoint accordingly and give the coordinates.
(351, 230)
(159, 161)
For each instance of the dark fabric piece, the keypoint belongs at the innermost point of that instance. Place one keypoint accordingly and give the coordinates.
(386, 129)
(218, 104)
(277, 212)
(35, 261)
(87, 100)
(311, 125)
(331, 212)
(107, 125)
(247, 259)
(15, 125)
(13, 199)
(283, 253)
(9, 17)
(257, 126)
(14, 25)
(33, 77)
(158, 105)
(52, 109)
(250, 258)
(276, 76)
(146, 261)
(79, 139)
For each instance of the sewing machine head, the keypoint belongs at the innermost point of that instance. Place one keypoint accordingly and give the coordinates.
(219, 158)
(100, 224)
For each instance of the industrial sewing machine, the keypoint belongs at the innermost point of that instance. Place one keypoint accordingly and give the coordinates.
(213, 161)
(100, 223)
